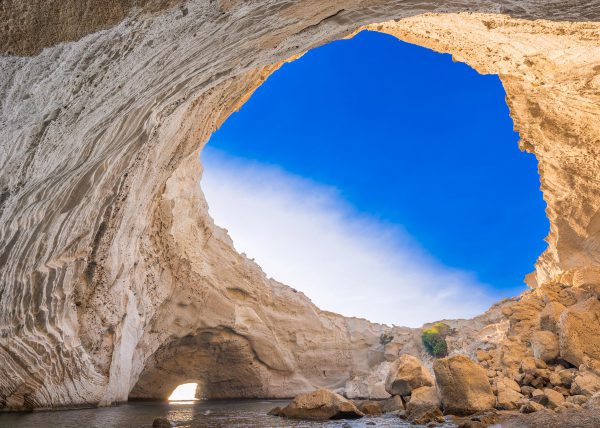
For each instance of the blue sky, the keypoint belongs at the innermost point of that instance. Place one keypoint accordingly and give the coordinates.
(409, 155)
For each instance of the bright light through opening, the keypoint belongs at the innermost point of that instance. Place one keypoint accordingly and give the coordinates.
(184, 392)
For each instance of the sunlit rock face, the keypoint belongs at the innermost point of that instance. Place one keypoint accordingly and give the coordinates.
(114, 281)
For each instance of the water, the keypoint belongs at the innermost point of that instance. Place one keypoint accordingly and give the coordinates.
(199, 414)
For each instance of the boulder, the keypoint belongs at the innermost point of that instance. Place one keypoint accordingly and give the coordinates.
(527, 379)
(161, 423)
(422, 401)
(545, 345)
(531, 407)
(586, 383)
(567, 376)
(392, 404)
(321, 404)
(407, 373)
(478, 420)
(528, 365)
(579, 400)
(463, 386)
(537, 392)
(370, 407)
(276, 411)
(540, 399)
(578, 330)
(555, 399)
(550, 316)
(508, 394)
(538, 382)
(527, 390)
(562, 390)
(555, 379)
(434, 416)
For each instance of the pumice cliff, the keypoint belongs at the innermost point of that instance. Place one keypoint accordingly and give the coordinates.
(114, 280)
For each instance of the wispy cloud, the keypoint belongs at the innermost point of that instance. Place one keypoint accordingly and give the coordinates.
(305, 235)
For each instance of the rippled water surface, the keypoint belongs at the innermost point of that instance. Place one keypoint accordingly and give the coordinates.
(247, 413)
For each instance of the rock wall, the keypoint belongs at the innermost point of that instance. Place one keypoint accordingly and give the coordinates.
(115, 282)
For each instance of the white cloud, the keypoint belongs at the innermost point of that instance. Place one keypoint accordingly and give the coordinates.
(303, 234)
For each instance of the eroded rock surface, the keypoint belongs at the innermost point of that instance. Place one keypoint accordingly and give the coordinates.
(463, 386)
(115, 282)
(406, 374)
(321, 405)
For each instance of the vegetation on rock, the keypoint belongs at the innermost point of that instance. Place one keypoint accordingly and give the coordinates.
(434, 339)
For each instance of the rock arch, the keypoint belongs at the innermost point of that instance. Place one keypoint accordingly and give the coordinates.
(108, 257)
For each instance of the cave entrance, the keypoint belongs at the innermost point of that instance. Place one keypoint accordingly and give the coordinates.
(185, 392)
(441, 219)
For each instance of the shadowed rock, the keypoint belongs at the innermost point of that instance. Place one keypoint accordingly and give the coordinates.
(407, 373)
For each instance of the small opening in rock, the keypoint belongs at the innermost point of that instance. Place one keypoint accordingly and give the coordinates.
(184, 393)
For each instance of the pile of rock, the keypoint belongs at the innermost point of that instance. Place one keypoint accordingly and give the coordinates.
(542, 385)
(464, 389)
(323, 404)
(410, 381)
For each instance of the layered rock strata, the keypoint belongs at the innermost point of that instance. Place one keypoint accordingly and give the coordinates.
(115, 282)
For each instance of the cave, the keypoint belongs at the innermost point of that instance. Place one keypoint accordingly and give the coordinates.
(113, 273)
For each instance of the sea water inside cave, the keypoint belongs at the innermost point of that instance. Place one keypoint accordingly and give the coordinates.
(191, 414)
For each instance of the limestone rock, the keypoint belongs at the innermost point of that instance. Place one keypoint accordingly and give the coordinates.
(528, 365)
(527, 390)
(116, 283)
(567, 376)
(321, 405)
(586, 383)
(463, 386)
(406, 374)
(478, 420)
(550, 316)
(545, 345)
(579, 339)
(423, 400)
(276, 411)
(392, 404)
(555, 399)
(161, 423)
(508, 394)
(370, 407)
(555, 379)
(577, 399)
(434, 416)
(531, 407)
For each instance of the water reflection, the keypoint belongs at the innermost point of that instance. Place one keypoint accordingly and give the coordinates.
(193, 414)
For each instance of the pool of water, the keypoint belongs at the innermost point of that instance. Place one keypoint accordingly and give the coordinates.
(199, 414)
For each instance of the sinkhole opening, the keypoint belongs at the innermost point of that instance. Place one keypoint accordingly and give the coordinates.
(381, 179)
(185, 392)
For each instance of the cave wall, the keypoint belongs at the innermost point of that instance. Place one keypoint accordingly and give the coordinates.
(109, 260)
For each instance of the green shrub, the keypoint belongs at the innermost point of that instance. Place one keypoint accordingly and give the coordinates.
(434, 339)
